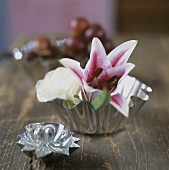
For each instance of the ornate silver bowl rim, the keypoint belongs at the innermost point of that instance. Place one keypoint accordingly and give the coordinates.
(84, 119)
(43, 139)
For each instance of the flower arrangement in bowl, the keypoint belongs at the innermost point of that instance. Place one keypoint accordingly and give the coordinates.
(98, 98)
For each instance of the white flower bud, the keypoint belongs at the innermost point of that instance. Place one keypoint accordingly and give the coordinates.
(59, 83)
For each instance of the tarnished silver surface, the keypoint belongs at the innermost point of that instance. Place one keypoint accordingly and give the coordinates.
(43, 139)
(84, 119)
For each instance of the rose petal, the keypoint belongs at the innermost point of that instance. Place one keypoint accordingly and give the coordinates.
(73, 65)
(59, 83)
(121, 54)
(98, 60)
(120, 103)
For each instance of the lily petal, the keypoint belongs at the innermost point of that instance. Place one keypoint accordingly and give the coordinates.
(120, 72)
(121, 54)
(90, 92)
(73, 65)
(128, 68)
(120, 103)
(98, 60)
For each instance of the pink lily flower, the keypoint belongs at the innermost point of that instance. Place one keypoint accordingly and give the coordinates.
(104, 71)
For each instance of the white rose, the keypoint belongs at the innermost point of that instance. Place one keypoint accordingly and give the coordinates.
(59, 83)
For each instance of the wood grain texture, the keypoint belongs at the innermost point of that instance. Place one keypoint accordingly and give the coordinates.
(142, 144)
(143, 16)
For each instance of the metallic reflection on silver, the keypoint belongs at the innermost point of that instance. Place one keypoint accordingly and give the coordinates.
(22, 51)
(59, 42)
(42, 139)
(17, 54)
(84, 119)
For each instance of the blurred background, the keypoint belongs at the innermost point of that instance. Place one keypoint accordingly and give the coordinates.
(41, 17)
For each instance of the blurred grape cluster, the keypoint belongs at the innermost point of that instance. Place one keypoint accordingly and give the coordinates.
(77, 45)
(82, 33)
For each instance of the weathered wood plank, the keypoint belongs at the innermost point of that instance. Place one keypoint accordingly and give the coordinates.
(142, 144)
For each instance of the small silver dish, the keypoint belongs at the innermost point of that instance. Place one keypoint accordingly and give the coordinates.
(36, 61)
(84, 119)
(47, 140)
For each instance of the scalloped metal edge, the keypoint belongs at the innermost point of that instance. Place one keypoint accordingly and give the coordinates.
(41, 146)
(84, 119)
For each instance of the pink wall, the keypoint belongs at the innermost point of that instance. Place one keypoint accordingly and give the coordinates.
(53, 16)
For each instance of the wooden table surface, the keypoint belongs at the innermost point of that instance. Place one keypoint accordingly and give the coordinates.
(142, 144)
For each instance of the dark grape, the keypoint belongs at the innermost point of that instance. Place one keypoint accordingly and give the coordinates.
(75, 44)
(95, 30)
(44, 48)
(78, 26)
(108, 45)
(89, 48)
(43, 43)
(30, 56)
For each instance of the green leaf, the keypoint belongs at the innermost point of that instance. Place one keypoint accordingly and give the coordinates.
(102, 100)
(68, 104)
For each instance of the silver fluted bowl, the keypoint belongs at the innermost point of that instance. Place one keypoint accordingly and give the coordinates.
(84, 119)
(43, 139)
